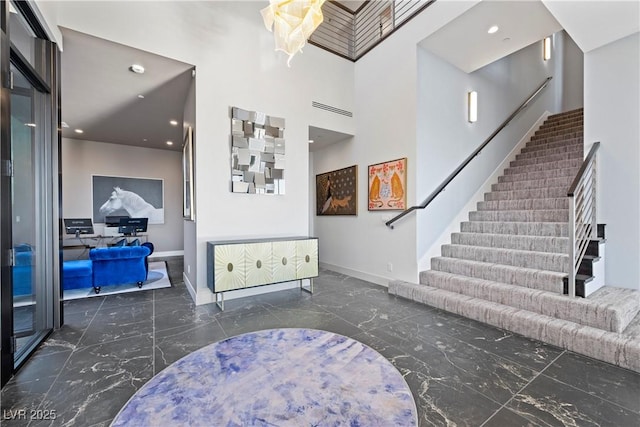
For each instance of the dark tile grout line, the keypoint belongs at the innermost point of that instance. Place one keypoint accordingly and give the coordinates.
(55, 380)
(635, 411)
(522, 389)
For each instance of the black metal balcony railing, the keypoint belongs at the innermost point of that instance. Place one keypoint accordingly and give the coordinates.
(352, 34)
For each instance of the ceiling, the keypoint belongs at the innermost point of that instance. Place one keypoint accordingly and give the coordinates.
(322, 138)
(100, 93)
(465, 42)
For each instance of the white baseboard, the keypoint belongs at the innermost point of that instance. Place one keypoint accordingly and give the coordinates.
(378, 280)
(164, 254)
(454, 226)
(190, 288)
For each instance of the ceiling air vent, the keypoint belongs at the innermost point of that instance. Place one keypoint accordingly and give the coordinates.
(331, 109)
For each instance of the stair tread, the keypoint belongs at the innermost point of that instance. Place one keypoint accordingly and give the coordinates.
(512, 250)
(504, 266)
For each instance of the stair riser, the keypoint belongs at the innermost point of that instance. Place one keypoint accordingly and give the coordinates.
(556, 138)
(521, 216)
(611, 348)
(540, 261)
(547, 159)
(578, 112)
(524, 204)
(562, 164)
(523, 243)
(551, 151)
(577, 120)
(543, 143)
(530, 147)
(541, 280)
(569, 130)
(532, 193)
(572, 124)
(563, 182)
(529, 176)
(516, 228)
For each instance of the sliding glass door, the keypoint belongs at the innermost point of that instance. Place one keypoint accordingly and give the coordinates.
(29, 191)
(27, 148)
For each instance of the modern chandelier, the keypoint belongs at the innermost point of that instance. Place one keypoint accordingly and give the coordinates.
(292, 22)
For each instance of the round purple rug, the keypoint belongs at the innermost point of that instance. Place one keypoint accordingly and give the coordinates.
(275, 377)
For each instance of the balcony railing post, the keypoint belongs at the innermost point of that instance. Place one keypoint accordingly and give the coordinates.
(572, 247)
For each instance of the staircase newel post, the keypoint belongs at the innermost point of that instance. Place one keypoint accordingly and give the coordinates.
(572, 247)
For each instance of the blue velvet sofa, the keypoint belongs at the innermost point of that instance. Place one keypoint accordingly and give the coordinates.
(119, 265)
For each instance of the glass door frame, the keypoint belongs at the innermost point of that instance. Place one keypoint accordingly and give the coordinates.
(45, 79)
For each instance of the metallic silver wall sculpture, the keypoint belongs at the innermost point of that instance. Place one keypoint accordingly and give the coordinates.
(257, 152)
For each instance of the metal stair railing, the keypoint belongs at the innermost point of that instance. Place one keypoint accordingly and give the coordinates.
(477, 151)
(582, 214)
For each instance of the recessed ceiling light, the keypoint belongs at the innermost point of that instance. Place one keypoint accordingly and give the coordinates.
(173, 122)
(136, 68)
(493, 29)
(79, 131)
(31, 125)
(311, 141)
(144, 139)
(141, 96)
(64, 124)
(169, 142)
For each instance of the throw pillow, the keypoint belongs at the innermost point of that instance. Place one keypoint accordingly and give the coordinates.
(122, 242)
(135, 242)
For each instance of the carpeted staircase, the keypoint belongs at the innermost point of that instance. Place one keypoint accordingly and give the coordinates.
(509, 263)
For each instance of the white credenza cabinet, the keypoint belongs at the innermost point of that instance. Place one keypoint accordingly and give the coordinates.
(240, 264)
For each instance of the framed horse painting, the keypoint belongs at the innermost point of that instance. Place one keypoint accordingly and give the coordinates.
(135, 197)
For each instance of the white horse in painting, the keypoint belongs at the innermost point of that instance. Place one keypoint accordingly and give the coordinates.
(135, 206)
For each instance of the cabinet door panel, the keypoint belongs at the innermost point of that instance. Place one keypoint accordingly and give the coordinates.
(229, 267)
(306, 258)
(284, 261)
(258, 263)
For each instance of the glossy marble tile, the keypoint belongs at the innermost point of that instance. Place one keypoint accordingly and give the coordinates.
(459, 371)
(615, 384)
(97, 380)
(552, 403)
(533, 354)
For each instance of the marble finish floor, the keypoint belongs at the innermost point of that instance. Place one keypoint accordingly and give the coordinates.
(461, 372)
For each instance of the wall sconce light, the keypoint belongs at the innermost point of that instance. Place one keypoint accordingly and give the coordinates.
(472, 101)
(546, 48)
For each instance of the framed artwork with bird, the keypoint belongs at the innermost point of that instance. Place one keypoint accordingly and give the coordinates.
(336, 192)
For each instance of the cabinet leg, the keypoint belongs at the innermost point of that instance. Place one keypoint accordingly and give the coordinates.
(220, 303)
(308, 289)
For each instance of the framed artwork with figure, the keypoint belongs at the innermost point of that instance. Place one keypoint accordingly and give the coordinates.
(388, 185)
(336, 192)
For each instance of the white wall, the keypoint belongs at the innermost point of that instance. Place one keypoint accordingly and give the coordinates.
(385, 93)
(236, 66)
(445, 137)
(190, 227)
(82, 159)
(611, 110)
(572, 76)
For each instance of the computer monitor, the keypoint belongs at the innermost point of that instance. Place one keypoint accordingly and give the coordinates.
(132, 226)
(114, 220)
(78, 226)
